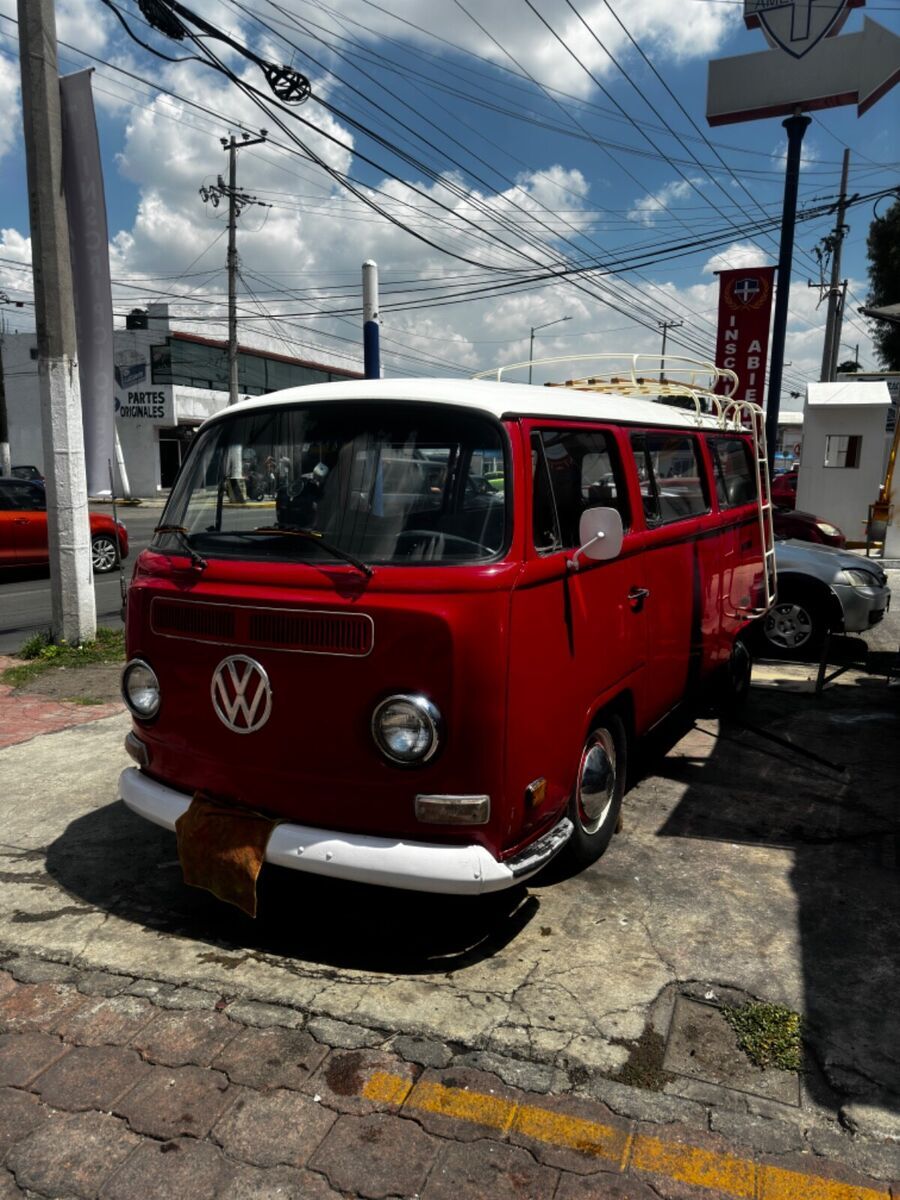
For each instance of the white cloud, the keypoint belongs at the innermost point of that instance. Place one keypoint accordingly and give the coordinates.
(10, 108)
(809, 154)
(646, 209)
(739, 254)
(658, 25)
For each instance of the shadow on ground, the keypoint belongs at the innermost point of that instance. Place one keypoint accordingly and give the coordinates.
(119, 863)
(841, 823)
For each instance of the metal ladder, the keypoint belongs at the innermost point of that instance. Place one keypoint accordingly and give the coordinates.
(741, 414)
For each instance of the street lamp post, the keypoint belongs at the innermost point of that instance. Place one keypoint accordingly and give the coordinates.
(534, 329)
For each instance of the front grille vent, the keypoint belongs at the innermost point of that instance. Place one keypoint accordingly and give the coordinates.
(299, 630)
(207, 622)
(323, 633)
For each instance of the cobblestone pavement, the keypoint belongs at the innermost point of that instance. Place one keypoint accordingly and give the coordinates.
(115, 1088)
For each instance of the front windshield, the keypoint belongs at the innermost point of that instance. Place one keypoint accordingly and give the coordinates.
(384, 483)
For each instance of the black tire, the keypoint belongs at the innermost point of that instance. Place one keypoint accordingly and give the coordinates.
(732, 685)
(603, 764)
(104, 553)
(795, 627)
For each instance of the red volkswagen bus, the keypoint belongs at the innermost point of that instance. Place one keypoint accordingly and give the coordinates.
(430, 644)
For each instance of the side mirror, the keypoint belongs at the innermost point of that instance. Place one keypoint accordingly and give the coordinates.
(600, 532)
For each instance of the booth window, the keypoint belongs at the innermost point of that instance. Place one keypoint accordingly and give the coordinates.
(842, 450)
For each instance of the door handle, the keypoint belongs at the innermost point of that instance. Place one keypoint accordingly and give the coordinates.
(638, 595)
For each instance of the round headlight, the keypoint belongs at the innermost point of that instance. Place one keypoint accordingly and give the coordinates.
(140, 689)
(406, 728)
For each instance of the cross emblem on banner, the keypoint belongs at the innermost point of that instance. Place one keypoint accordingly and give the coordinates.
(746, 289)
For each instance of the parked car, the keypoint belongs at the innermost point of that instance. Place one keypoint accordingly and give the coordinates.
(806, 528)
(784, 489)
(23, 529)
(26, 472)
(820, 589)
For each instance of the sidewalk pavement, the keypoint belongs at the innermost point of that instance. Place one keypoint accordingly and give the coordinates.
(113, 1087)
(24, 716)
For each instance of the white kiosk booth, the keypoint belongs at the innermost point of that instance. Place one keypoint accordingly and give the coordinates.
(848, 427)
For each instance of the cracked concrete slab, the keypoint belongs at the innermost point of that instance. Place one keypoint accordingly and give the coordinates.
(742, 865)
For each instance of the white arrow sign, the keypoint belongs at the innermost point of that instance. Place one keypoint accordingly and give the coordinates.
(855, 68)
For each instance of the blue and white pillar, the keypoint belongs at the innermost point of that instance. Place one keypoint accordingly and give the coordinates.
(371, 348)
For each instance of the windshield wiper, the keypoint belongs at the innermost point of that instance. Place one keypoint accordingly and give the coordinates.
(183, 537)
(312, 535)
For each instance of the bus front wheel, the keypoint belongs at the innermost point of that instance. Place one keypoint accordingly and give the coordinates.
(599, 787)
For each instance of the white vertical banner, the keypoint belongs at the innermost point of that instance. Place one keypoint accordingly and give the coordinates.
(89, 242)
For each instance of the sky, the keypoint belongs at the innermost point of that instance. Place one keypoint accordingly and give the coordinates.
(476, 152)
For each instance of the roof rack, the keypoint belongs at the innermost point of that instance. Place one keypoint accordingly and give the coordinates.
(652, 377)
(648, 376)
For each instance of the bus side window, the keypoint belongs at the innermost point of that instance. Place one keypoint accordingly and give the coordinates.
(735, 482)
(574, 469)
(677, 474)
(545, 522)
(649, 495)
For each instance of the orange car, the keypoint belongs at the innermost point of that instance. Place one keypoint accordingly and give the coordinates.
(23, 529)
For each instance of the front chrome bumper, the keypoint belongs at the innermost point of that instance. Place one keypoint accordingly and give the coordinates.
(389, 862)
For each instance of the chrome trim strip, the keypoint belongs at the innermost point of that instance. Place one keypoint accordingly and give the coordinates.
(252, 608)
(539, 853)
(387, 861)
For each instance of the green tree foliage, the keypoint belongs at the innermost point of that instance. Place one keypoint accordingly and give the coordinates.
(883, 246)
(847, 367)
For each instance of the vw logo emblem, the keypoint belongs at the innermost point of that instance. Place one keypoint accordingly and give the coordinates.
(241, 694)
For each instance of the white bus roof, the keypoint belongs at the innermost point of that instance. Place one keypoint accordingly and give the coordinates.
(495, 399)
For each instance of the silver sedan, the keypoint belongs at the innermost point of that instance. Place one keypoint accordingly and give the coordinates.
(821, 589)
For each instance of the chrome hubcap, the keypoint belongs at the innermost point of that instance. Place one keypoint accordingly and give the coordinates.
(103, 553)
(596, 780)
(789, 626)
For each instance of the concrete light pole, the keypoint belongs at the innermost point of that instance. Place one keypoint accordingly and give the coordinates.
(534, 330)
(74, 614)
(371, 347)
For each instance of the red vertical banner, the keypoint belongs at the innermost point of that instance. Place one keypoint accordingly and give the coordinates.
(742, 341)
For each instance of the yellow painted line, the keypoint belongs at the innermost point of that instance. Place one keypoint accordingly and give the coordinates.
(777, 1184)
(690, 1164)
(575, 1133)
(741, 1178)
(383, 1088)
(475, 1107)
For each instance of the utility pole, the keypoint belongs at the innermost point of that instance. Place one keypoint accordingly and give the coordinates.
(74, 614)
(835, 313)
(237, 202)
(665, 326)
(5, 459)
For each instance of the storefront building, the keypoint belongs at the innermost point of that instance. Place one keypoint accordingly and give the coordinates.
(166, 384)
